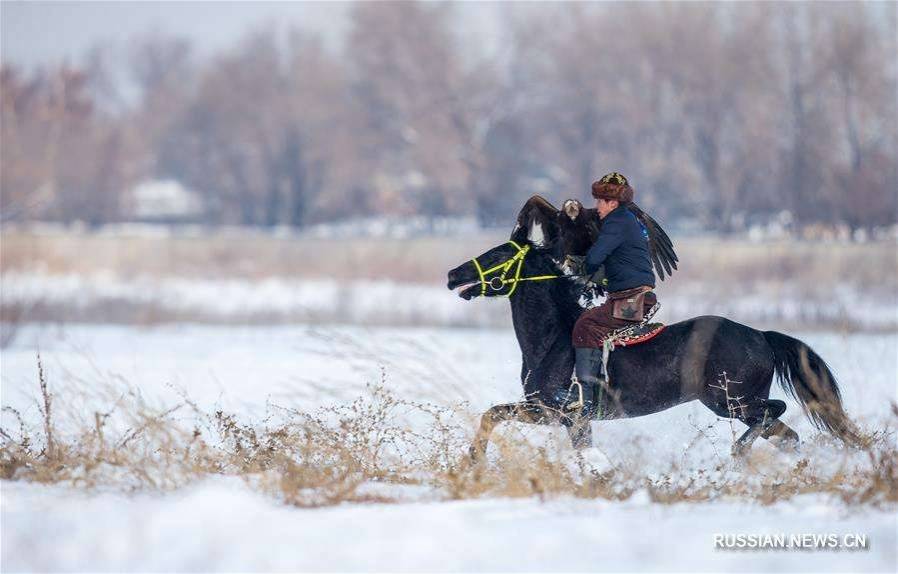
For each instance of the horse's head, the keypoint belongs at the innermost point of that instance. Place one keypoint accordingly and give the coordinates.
(541, 229)
(487, 274)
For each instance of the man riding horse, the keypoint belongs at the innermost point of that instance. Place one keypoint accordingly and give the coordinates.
(697, 359)
(620, 261)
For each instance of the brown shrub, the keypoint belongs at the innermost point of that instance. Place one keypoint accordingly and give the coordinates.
(334, 454)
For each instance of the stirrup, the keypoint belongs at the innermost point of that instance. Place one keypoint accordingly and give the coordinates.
(578, 404)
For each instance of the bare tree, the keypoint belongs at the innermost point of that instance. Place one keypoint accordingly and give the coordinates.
(258, 137)
(46, 120)
(406, 74)
(720, 113)
(860, 55)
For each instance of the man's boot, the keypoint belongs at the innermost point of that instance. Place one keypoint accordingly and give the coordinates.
(581, 402)
(588, 367)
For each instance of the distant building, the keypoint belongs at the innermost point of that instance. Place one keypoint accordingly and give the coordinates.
(164, 201)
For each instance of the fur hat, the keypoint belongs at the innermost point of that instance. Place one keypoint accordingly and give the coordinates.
(613, 186)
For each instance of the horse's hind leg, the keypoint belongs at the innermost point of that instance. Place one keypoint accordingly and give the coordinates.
(761, 416)
(525, 412)
(781, 436)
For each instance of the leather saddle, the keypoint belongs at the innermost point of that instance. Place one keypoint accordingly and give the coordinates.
(634, 334)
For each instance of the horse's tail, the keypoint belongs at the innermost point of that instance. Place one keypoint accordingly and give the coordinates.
(806, 377)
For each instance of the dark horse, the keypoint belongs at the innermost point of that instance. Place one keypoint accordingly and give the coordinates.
(727, 366)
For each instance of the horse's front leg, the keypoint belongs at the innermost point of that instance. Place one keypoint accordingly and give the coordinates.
(524, 412)
(579, 430)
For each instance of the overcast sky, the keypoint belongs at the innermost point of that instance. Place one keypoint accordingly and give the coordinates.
(35, 33)
(39, 33)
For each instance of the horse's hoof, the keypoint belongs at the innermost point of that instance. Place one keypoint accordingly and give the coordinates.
(740, 451)
(786, 444)
(782, 437)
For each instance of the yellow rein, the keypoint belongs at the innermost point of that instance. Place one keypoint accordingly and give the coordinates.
(498, 282)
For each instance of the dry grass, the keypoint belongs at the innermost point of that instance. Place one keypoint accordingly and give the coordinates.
(246, 255)
(784, 284)
(337, 454)
(424, 260)
(823, 265)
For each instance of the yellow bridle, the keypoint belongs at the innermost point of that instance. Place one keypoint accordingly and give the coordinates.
(500, 281)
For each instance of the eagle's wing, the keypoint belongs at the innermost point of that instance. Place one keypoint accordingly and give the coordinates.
(537, 211)
(661, 250)
(540, 207)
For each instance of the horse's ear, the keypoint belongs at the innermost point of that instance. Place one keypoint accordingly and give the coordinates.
(537, 223)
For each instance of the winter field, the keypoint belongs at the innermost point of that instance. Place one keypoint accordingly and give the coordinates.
(214, 421)
(665, 484)
(149, 275)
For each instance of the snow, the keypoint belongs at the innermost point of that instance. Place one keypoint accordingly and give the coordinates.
(383, 302)
(356, 302)
(168, 200)
(318, 364)
(395, 227)
(223, 524)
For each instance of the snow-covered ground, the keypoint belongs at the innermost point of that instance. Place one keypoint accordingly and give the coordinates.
(146, 299)
(223, 524)
(105, 297)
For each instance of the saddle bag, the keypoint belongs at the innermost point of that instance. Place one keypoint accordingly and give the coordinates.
(629, 305)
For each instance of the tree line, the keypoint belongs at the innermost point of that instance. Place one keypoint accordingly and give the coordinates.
(721, 114)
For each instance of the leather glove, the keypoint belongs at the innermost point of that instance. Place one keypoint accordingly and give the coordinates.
(598, 278)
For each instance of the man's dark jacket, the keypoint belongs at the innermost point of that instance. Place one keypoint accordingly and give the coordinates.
(622, 246)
